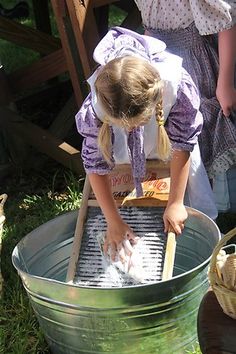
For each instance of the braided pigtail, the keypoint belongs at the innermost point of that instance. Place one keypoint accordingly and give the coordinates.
(104, 141)
(163, 144)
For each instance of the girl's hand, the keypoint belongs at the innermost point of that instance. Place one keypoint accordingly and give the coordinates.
(119, 239)
(226, 96)
(174, 217)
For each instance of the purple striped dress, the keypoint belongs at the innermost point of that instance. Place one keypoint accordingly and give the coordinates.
(218, 138)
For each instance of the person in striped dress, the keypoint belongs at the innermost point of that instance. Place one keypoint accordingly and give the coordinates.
(189, 28)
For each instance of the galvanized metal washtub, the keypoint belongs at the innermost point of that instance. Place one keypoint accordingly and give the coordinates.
(155, 318)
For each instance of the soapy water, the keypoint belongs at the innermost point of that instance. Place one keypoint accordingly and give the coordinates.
(143, 267)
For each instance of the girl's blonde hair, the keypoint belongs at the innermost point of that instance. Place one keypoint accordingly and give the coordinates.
(130, 91)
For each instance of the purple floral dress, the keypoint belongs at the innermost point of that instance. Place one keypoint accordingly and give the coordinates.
(183, 121)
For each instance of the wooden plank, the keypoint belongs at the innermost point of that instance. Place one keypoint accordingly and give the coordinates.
(27, 37)
(78, 231)
(137, 203)
(73, 63)
(169, 260)
(82, 9)
(150, 165)
(45, 142)
(44, 69)
(145, 201)
(85, 30)
(157, 180)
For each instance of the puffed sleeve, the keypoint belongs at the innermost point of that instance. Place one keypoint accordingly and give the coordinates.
(88, 126)
(211, 16)
(185, 121)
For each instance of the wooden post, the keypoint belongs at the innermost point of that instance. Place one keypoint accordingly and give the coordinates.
(84, 25)
(169, 256)
(79, 231)
(73, 57)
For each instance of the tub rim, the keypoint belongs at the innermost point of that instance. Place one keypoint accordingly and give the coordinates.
(185, 274)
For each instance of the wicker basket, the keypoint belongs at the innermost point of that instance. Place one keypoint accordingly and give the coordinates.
(3, 198)
(222, 276)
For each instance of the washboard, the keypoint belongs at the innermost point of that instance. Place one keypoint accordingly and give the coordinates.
(143, 215)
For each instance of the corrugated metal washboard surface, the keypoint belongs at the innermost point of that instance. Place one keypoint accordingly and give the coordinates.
(147, 223)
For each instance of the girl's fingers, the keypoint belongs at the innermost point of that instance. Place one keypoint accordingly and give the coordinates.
(110, 249)
(120, 246)
(134, 241)
(127, 247)
(177, 229)
(131, 236)
(166, 225)
(121, 253)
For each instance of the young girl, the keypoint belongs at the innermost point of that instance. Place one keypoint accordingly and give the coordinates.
(189, 28)
(142, 105)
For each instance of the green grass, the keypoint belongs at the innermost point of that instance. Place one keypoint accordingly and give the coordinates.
(37, 200)
(116, 16)
(195, 350)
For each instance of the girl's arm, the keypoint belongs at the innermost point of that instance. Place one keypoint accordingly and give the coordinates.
(175, 213)
(117, 229)
(226, 92)
(88, 126)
